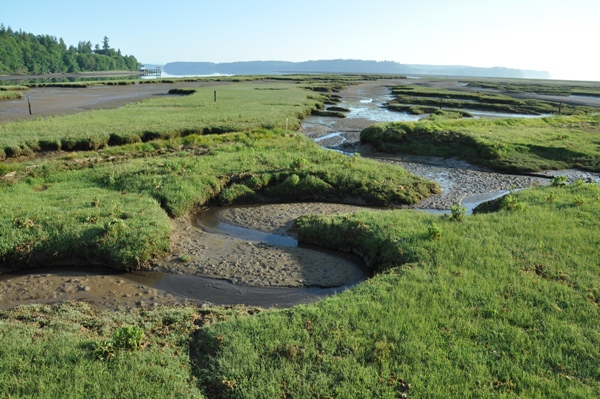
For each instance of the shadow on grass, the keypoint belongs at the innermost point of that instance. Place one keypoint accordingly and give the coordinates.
(203, 347)
(561, 154)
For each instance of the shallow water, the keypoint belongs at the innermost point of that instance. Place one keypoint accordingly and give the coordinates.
(490, 114)
(209, 221)
(378, 113)
(109, 289)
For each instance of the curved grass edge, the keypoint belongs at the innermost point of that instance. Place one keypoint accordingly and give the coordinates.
(505, 145)
(114, 211)
(486, 320)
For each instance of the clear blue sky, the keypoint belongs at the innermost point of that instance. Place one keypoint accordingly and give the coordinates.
(558, 36)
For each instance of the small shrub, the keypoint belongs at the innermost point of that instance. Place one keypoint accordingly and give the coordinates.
(185, 258)
(104, 350)
(579, 200)
(511, 203)
(559, 181)
(257, 182)
(458, 212)
(113, 227)
(128, 338)
(434, 231)
(299, 163)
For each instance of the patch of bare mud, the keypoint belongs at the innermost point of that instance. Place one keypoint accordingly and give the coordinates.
(100, 287)
(200, 249)
(246, 272)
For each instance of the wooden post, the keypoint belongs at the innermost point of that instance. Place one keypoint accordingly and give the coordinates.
(215, 96)
(559, 108)
(29, 104)
(441, 102)
(286, 124)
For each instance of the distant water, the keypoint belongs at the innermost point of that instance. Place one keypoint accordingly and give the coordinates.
(168, 75)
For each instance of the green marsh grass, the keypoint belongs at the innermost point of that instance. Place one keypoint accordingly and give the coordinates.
(512, 145)
(116, 207)
(502, 304)
(239, 107)
(546, 88)
(48, 352)
(451, 99)
(13, 88)
(498, 305)
(10, 95)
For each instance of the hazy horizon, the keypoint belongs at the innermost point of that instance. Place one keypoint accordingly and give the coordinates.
(518, 34)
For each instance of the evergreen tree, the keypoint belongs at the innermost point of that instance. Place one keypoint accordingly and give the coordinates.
(26, 53)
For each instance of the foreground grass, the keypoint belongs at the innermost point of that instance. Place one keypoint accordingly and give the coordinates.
(50, 352)
(496, 305)
(500, 305)
(512, 145)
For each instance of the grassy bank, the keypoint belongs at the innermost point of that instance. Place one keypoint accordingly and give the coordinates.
(239, 107)
(112, 207)
(409, 96)
(546, 88)
(511, 145)
(10, 95)
(495, 305)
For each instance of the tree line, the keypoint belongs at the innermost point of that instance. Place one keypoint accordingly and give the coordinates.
(26, 53)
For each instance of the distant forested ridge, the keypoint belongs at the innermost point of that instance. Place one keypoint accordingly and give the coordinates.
(26, 53)
(344, 66)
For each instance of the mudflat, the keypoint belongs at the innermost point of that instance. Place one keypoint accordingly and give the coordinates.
(56, 101)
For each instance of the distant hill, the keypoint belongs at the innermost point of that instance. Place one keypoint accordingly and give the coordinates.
(343, 66)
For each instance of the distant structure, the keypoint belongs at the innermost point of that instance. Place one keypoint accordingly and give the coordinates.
(150, 71)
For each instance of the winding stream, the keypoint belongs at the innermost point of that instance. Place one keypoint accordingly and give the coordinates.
(113, 290)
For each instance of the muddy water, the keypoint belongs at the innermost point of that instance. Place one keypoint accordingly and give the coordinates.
(120, 291)
(254, 267)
